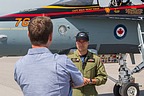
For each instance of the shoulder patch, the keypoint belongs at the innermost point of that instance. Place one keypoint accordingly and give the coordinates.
(75, 59)
(91, 60)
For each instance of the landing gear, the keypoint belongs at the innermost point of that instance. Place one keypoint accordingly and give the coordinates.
(126, 85)
(128, 89)
(116, 90)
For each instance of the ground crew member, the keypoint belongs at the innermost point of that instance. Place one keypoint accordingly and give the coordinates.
(90, 66)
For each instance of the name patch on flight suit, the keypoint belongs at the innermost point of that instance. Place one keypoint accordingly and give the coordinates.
(75, 59)
(91, 60)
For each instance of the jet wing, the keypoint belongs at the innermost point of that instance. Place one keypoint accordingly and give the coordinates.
(61, 11)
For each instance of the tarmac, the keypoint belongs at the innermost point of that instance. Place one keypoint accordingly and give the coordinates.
(8, 87)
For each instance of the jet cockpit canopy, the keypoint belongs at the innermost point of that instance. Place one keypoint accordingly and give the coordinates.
(75, 2)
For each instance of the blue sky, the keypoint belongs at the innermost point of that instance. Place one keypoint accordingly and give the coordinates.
(11, 6)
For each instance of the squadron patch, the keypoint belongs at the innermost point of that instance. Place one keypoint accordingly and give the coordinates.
(75, 59)
(91, 60)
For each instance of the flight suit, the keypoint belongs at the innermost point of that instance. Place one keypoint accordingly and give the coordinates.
(93, 69)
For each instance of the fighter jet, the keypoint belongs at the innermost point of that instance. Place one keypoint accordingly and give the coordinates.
(112, 30)
(71, 16)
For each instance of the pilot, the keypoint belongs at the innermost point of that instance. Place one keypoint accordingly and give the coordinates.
(115, 3)
(119, 2)
(122, 3)
(90, 66)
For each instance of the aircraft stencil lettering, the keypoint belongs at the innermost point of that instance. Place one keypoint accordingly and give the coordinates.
(134, 11)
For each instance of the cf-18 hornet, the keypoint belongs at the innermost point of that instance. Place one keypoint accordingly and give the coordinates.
(115, 29)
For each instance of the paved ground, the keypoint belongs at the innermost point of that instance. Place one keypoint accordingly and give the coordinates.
(8, 86)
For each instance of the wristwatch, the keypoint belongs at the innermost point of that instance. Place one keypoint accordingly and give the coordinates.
(90, 81)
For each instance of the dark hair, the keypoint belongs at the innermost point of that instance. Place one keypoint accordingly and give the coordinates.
(39, 30)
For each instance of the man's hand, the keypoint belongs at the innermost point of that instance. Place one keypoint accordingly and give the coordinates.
(89, 81)
(86, 81)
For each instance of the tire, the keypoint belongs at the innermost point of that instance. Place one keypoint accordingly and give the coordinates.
(116, 90)
(130, 89)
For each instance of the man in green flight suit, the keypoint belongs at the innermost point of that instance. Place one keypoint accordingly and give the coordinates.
(90, 66)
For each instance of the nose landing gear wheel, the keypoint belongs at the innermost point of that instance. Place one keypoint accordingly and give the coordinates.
(130, 89)
(116, 90)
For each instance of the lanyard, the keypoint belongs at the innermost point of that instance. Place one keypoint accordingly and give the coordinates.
(84, 61)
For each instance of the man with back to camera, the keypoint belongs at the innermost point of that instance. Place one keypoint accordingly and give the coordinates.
(90, 66)
(41, 73)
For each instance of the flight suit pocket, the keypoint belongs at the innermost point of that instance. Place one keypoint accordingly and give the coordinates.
(90, 70)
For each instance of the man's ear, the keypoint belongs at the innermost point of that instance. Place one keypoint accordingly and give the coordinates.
(49, 40)
(50, 37)
(28, 34)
